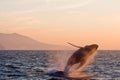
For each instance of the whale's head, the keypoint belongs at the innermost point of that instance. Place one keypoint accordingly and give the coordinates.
(90, 49)
(93, 46)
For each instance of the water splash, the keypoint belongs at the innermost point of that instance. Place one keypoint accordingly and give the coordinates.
(58, 60)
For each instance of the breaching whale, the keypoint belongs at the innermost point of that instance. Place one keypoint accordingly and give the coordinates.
(80, 59)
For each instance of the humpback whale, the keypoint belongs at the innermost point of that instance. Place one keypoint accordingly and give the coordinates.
(80, 59)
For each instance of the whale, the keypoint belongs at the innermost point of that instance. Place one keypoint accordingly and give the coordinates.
(80, 59)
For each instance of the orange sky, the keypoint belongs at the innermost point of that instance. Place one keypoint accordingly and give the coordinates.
(57, 21)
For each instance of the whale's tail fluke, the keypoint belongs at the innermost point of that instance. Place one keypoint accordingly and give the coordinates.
(74, 45)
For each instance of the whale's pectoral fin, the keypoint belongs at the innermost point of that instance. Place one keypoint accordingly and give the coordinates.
(74, 45)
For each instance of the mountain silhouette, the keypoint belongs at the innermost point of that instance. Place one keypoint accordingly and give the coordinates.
(16, 41)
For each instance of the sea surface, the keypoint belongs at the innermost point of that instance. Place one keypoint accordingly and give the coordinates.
(32, 65)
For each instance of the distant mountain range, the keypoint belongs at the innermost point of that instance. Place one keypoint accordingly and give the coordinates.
(16, 41)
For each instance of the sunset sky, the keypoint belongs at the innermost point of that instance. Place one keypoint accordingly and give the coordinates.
(59, 21)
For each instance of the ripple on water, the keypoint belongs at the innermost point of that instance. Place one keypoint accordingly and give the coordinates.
(18, 64)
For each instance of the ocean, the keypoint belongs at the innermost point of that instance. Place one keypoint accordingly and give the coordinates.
(29, 65)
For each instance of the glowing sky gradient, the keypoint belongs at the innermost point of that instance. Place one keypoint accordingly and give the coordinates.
(59, 21)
